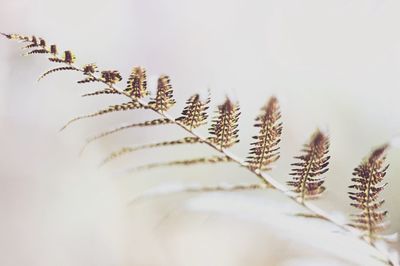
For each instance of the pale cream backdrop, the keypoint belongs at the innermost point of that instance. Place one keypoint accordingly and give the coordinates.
(332, 64)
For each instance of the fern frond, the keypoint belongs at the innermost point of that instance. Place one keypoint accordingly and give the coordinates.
(69, 57)
(313, 163)
(195, 112)
(194, 188)
(155, 122)
(100, 92)
(310, 215)
(89, 69)
(203, 160)
(33, 43)
(18, 37)
(223, 130)
(89, 79)
(56, 60)
(111, 76)
(368, 176)
(137, 83)
(12, 36)
(53, 50)
(126, 150)
(42, 43)
(266, 150)
(58, 69)
(164, 97)
(38, 51)
(112, 108)
(307, 180)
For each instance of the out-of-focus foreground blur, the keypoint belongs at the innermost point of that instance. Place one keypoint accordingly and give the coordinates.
(332, 64)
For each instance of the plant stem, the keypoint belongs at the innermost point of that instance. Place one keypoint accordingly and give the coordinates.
(265, 178)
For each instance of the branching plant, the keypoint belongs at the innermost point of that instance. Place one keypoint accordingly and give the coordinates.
(307, 181)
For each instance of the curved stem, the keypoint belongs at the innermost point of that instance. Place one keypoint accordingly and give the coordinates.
(266, 179)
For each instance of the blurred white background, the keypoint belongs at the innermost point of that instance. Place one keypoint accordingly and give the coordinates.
(332, 64)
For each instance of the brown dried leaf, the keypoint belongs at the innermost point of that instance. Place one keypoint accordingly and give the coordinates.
(223, 130)
(266, 150)
(127, 150)
(307, 180)
(195, 112)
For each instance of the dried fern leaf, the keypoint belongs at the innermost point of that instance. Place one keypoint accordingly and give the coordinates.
(101, 92)
(42, 43)
(266, 150)
(53, 50)
(137, 83)
(195, 112)
(164, 97)
(89, 69)
(168, 189)
(223, 130)
(231, 188)
(89, 79)
(69, 57)
(56, 60)
(310, 215)
(155, 122)
(127, 150)
(111, 76)
(367, 178)
(203, 160)
(58, 69)
(38, 51)
(112, 108)
(12, 36)
(307, 180)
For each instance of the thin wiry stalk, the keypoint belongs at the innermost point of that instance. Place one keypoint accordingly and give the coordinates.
(265, 178)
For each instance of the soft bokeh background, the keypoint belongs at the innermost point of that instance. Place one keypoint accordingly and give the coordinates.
(332, 64)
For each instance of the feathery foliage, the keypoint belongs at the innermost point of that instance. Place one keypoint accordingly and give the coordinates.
(307, 180)
(195, 112)
(126, 150)
(63, 68)
(265, 150)
(111, 76)
(112, 108)
(154, 122)
(367, 178)
(137, 83)
(223, 130)
(164, 98)
(201, 160)
(102, 92)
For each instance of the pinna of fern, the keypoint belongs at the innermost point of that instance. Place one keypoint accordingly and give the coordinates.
(164, 99)
(265, 150)
(223, 130)
(195, 112)
(307, 181)
(137, 83)
(366, 185)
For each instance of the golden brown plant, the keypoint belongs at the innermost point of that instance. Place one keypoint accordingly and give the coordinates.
(164, 98)
(126, 150)
(307, 180)
(223, 130)
(137, 83)
(368, 176)
(195, 112)
(265, 150)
